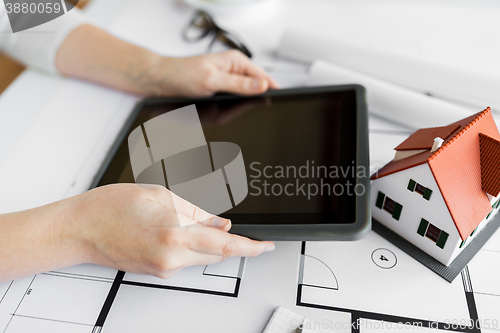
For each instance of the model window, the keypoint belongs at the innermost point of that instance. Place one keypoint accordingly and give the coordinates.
(420, 189)
(432, 232)
(389, 205)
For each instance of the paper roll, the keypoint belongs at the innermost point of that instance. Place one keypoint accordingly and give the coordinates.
(390, 101)
(454, 84)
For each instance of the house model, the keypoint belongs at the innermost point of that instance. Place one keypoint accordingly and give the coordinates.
(442, 187)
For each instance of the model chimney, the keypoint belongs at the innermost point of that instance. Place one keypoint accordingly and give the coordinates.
(437, 143)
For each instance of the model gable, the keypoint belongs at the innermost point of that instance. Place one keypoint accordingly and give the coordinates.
(420, 215)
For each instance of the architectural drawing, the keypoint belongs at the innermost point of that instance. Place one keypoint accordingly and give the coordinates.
(79, 298)
(387, 285)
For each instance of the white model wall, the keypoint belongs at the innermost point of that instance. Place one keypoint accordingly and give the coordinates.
(415, 207)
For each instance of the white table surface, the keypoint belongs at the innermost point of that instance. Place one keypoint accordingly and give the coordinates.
(55, 133)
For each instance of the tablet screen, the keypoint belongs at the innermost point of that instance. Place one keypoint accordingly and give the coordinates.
(299, 153)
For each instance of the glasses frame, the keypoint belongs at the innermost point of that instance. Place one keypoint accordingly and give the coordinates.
(210, 27)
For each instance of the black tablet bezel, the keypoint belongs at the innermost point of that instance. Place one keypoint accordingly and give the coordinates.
(286, 232)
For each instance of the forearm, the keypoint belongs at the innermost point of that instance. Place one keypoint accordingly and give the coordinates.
(123, 226)
(92, 54)
(38, 240)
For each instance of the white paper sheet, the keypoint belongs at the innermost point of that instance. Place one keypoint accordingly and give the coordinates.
(404, 106)
(438, 79)
(64, 135)
(283, 321)
(286, 321)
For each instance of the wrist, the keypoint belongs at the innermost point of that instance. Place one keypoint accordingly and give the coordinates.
(39, 240)
(70, 233)
(157, 75)
(149, 73)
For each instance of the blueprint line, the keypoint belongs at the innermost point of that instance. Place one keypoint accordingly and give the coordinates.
(109, 300)
(354, 323)
(19, 303)
(81, 275)
(321, 287)
(119, 280)
(200, 291)
(486, 294)
(10, 284)
(48, 319)
(389, 318)
(79, 278)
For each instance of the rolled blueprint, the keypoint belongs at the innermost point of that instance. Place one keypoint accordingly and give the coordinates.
(393, 102)
(442, 81)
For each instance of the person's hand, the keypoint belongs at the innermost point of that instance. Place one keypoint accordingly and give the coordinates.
(152, 231)
(203, 75)
(91, 53)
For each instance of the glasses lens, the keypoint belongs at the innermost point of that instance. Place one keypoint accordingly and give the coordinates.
(224, 40)
(200, 26)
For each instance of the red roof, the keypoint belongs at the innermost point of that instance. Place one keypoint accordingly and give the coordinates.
(423, 157)
(424, 138)
(489, 151)
(456, 166)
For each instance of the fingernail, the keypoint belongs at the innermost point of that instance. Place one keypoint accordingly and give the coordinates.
(270, 248)
(219, 222)
(256, 84)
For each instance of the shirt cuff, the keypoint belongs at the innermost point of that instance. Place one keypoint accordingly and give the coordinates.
(37, 47)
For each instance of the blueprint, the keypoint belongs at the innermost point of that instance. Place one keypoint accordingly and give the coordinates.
(341, 286)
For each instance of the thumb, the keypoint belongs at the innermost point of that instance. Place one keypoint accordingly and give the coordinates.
(240, 84)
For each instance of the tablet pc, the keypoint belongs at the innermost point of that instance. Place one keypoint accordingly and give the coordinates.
(303, 171)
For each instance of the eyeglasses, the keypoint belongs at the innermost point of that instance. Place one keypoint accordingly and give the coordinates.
(202, 25)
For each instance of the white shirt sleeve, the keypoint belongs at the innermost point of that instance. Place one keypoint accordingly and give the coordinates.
(37, 47)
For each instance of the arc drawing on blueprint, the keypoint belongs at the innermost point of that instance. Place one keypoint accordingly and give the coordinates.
(317, 275)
